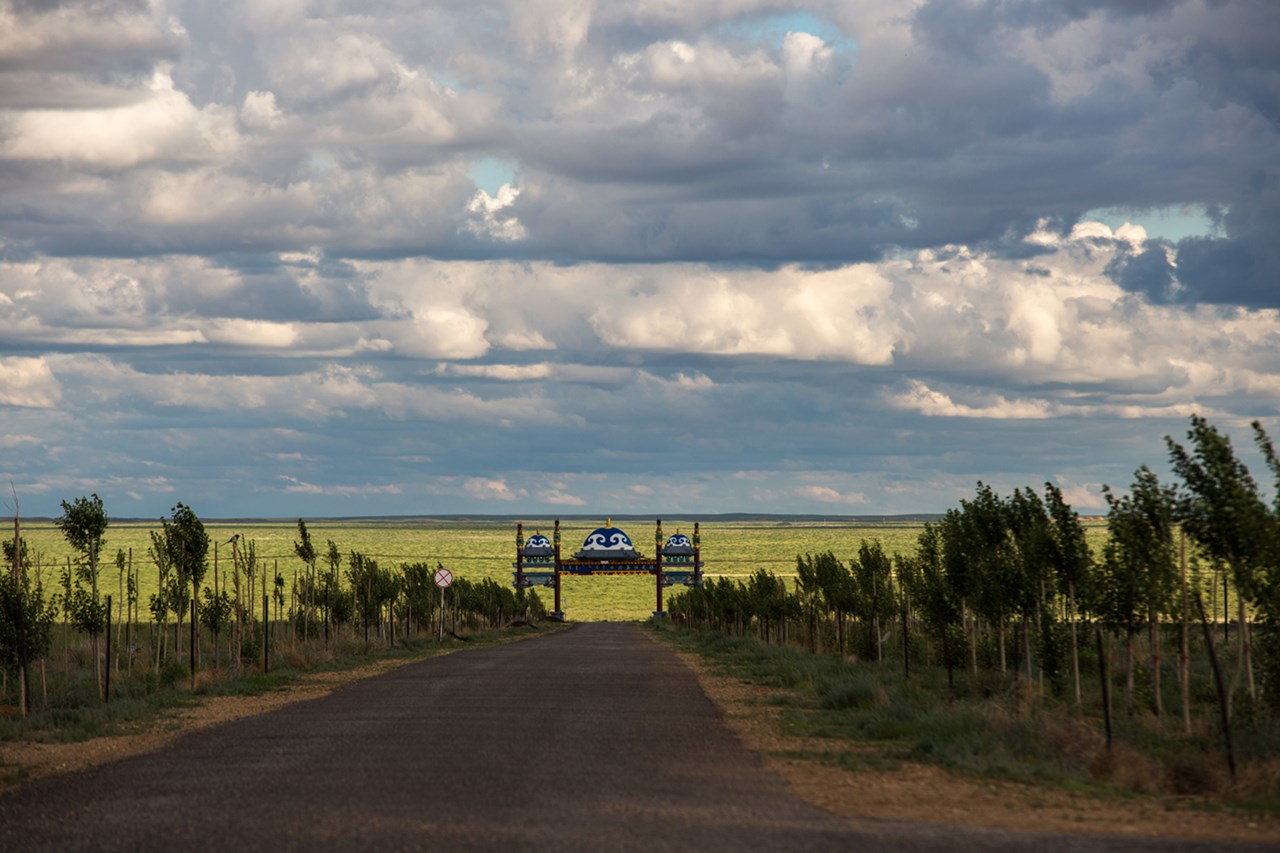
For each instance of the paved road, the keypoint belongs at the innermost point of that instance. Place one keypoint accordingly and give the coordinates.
(594, 738)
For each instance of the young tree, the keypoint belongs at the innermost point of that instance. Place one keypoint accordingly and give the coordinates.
(215, 615)
(306, 552)
(1268, 602)
(1032, 536)
(1071, 561)
(159, 600)
(836, 585)
(936, 597)
(1223, 511)
(873, 592)
(959, 565)
(187, 547)
(26, 620)
(995, 584)
(1140, 566)
(84, 525)
(808, 591)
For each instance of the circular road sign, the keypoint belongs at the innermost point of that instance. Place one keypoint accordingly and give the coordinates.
(443, 577)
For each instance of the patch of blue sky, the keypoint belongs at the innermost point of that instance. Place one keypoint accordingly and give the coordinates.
(490, 173)
(447, 81)
(1167, 223)
(772, 29)
(321, 161)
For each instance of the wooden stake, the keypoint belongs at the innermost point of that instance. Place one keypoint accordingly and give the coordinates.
(1106, 684)
(1184, 644)
(1224, 707)
(106, 688)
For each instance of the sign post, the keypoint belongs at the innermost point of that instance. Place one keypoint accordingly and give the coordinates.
(443, 577)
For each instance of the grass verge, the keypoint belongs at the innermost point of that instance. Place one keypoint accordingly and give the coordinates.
(875, 719)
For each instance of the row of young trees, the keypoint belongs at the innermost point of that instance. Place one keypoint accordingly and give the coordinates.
(1016, 574)
(239, 602)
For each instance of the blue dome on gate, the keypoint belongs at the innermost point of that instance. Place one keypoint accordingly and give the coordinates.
(678, 545)
(608, 543)
(538, 545)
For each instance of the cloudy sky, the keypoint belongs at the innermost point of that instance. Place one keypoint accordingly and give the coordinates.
(283, 258)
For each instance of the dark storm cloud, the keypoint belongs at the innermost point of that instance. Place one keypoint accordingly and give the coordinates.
(1244, 267)
(1148, 272)
(710, 148)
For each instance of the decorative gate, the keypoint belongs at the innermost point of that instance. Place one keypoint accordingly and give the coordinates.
(608, 551)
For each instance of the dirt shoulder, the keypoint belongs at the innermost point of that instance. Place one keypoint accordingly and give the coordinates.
(922, 792)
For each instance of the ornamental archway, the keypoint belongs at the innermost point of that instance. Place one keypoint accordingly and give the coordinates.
(608, 550)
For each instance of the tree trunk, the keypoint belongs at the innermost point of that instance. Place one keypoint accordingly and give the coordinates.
(1044, 640)
(1246, 658)
(1226, 612)
(1026, 650)
(1128, 667)
(1154, 633)
(119, 620)
(1000, 641)
(813, 628)
(1184, 650)
(971, 631)
(1075, 645)
(24, 698)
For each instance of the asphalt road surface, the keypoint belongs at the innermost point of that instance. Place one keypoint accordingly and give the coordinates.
(593, 738)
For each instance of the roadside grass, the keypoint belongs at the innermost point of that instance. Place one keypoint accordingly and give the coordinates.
(989, 728)
(75, 712)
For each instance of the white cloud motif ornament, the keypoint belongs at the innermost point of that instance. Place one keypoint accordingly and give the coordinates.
(608, 543)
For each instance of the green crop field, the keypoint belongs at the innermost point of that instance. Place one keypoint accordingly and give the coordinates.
(478, 550)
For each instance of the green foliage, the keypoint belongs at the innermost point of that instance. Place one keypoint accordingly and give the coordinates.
(180, 551)
(85, 612)
(26, 617)
(173, 672)
(371, 587)
(1053, 649)
(304, 548)
(1139, 569)
(874, 596)
(1033, 544)
(484, 604)
(215, 610)
(342, 606)
(83, 524)
(1069, 555)
(189, 544)
(1223, 511)
(421, 592)
(850, 688)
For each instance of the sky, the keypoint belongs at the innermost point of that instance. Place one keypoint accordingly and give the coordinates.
(315, 258)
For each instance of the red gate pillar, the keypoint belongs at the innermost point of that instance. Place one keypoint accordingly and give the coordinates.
(657, 542)
(697, 556)
(558, 614)
(519, 556)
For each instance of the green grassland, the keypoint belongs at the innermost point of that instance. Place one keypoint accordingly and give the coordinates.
(478, 549)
